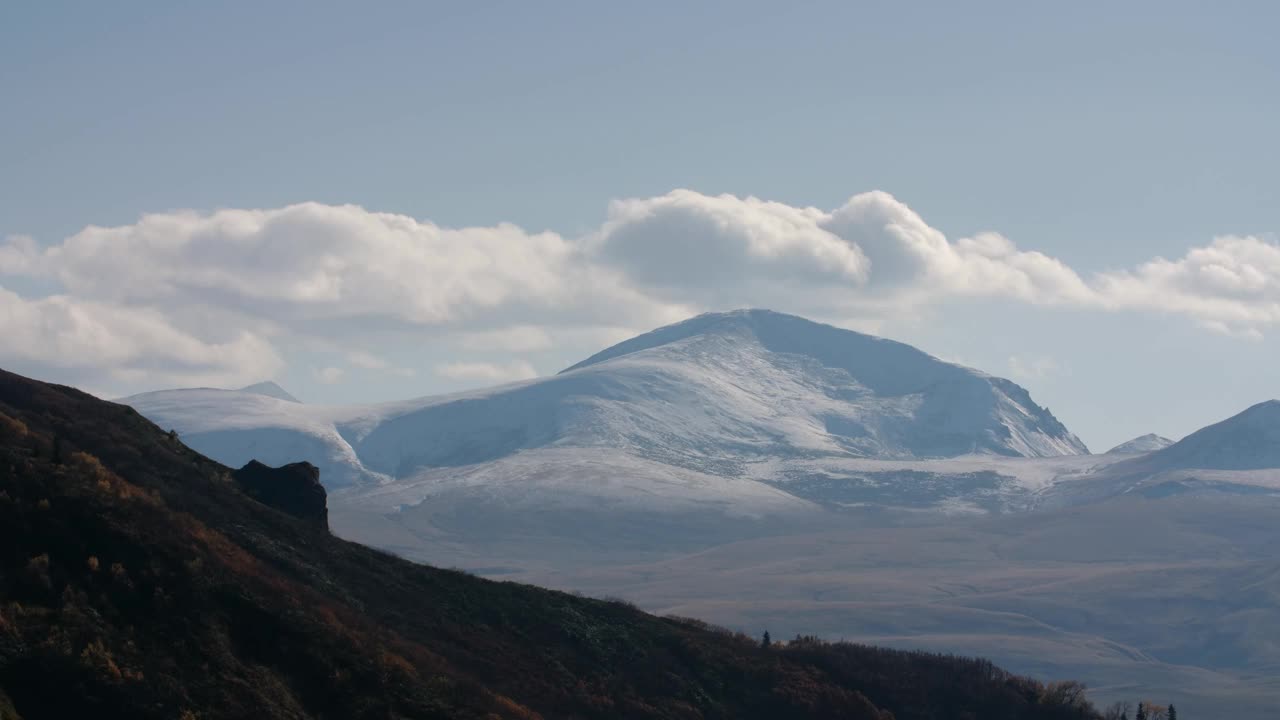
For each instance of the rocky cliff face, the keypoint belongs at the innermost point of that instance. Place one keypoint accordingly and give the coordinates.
(294, 489)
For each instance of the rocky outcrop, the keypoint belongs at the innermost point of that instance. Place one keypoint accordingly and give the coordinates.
(294, 489)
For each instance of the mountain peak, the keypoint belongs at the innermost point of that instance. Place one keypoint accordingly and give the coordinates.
(1266, 406)
(1141, 444)
(875, 397)
(780, 331)
(270, 389)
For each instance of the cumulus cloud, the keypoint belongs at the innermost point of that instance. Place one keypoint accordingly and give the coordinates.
(873, 251)
(314, 262)
(94, 341)
(487, 372)
(698, 248)
(18, 254)
(200, 296)
(1231, 286)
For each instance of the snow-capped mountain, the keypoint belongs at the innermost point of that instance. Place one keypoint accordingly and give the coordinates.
(1237, 456)
(706, 395)
(796, 386)
(1247, 441)
(1141, 444)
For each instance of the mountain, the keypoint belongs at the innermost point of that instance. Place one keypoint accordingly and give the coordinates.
(1239, 456)
(137, 580)
(237, 426)
(270, 389)
(1141, 444)
(1247, 441)
(837, 391)
(684, 418)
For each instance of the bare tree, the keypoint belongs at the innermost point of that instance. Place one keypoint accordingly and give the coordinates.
(1156, 712)
(1117, 711)
(1065, 693)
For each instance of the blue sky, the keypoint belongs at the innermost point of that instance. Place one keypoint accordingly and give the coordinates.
(1100, 136)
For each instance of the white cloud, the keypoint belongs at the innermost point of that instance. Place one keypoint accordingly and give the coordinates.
(18, 254)
(873, 253)
(93, 341)
(487, 372)
(187, 296)
(723, 250)
(1231, 285)
(311, 263)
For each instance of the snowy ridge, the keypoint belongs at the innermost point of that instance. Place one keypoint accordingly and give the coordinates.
(1249, 440)
(872, 397)
(745, 414)
(1141, 444)
(708, 395)
(693, 405)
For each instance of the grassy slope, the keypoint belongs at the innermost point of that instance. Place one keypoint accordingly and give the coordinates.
(136, 582)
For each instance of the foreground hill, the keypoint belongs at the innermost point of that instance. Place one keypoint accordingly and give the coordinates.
(138, 580)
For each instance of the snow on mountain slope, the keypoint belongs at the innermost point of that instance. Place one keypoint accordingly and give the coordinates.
(846, 392)
(1238, 456)
(556, 477)
(236, 426)
(1141, 444)
(706, 398)
(1247, 441)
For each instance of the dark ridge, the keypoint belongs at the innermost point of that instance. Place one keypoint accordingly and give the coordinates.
(294, 488)
(138, 581)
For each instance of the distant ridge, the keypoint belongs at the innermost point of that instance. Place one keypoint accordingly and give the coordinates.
(270, 389)
(1141, 444)
(1249, 440)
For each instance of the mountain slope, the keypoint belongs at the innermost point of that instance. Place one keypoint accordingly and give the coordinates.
(1237, 456)
(680, 413)
(138, 581)
(875, 397)
(236, 426)
(1249, 440)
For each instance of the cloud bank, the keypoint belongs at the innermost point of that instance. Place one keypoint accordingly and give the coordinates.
(212, 298)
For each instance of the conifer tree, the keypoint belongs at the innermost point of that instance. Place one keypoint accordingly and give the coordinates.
(765, 641)
(1172, 713)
